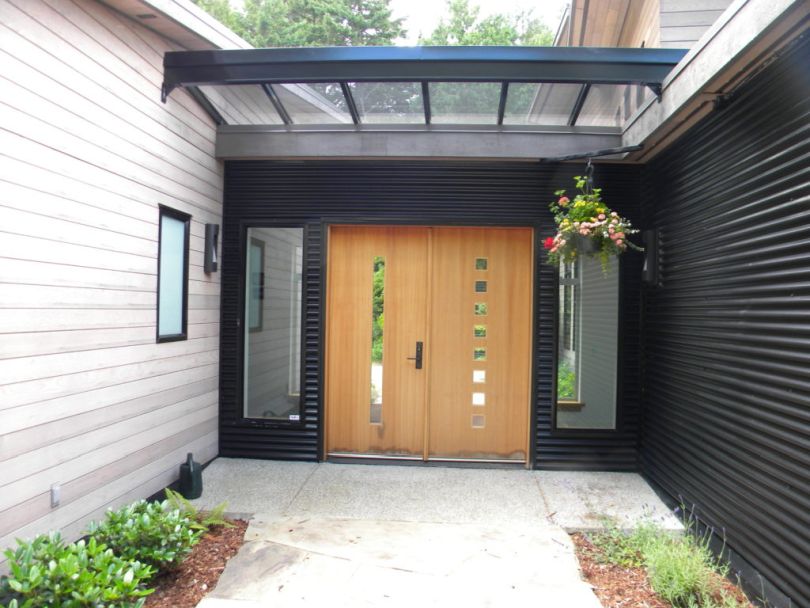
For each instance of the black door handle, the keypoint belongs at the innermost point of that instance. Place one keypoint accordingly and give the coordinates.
(418, 357)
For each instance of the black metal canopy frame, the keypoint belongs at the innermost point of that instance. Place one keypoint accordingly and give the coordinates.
(267, 67)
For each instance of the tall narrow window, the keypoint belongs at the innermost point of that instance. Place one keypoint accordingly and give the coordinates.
(273, 297)
(588, 346)
(172, 288)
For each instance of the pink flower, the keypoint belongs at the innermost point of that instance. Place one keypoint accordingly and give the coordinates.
(553, 250)
(620, 235)
(619, 242)
(611, 229)
(564, 200)
(584, 232)
(614, 214)
(601, 216)
(614, 221)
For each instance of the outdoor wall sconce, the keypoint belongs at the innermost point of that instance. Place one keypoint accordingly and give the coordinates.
(211, 239)
(649, 273)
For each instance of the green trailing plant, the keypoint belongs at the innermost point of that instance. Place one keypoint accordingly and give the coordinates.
(46, 572)
(150, 532)
(201, 520)
(566, 381)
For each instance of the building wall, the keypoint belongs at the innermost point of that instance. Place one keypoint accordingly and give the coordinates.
(727, 332)
(88, 400)
(313, 193)
(683, 22)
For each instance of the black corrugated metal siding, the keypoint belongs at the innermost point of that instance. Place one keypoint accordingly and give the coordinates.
(314, 192)
(727, 333)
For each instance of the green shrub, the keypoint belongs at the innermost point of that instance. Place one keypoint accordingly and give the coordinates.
(566, 381)
(47, 573)
(152, 533)
(201, 520)
(680, 571)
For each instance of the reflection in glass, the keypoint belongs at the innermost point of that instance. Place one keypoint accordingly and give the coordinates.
(478, 421)
(588, 345)
(377, 321)
(480, 353)
(479, 398)
(480, 308)
(547, 103)
(479, 376)
(388, 102)
(480, 331)
(480, 263)
(480, 287)
(272, 353)
(465, 102)
(314, 104)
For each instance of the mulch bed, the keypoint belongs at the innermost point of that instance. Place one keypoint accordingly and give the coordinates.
(188, 584)
(618, 587)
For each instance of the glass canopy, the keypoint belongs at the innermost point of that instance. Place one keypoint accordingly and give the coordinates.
(516, 87)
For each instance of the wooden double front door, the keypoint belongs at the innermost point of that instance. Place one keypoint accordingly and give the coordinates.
(428, 347)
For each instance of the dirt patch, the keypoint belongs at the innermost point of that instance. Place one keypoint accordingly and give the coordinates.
(188, 584)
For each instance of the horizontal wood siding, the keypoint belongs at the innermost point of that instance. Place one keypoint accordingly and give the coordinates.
(683, 22)
(88, 400)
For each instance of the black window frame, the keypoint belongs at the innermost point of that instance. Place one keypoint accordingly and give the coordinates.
(186, 219)
(244, 247)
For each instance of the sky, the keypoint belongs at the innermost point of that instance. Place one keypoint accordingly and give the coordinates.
(423, 15)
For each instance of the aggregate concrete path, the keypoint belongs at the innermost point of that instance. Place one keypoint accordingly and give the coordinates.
(360, 535)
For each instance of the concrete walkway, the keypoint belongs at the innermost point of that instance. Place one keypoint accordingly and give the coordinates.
(360, 535)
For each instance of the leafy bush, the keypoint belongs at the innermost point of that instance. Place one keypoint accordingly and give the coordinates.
(201, 520)
(566, 381)
(152, 533)
(47, 573)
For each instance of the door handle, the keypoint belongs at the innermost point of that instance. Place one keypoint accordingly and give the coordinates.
(418, 356)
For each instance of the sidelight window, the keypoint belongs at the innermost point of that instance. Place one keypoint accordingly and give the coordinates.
(272, 328)
(587, 339)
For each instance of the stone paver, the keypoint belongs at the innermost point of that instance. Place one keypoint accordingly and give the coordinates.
(371, 535)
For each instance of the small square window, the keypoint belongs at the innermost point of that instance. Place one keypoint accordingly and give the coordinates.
(480, 263)
(478, 421)
(479, 376)
(480, 331)
(480, 287)
(480, 309)
(480, 354)
(479, 399)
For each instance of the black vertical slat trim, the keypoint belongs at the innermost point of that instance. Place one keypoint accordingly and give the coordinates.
(421, 192)
(277, 103)
(727, 330)
(347, 94)
(426, 102)
(502, 101)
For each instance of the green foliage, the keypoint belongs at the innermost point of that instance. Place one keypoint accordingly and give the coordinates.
(201, 520)
(682, 570)
(47, 573)
(566, 381)
(301, 23)
(377, 315)
(465, 28)
(152, 533)
(587, 220)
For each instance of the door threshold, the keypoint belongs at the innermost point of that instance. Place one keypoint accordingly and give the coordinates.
(481, 463)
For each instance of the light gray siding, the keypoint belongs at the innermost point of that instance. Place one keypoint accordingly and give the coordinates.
(88, 400)
(683, 22)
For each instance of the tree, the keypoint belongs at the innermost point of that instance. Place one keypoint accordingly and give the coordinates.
(466, 29)
(296, 23)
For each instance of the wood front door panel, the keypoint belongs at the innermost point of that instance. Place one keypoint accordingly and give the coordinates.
(482, 415)
(401, 427)
(464, 403)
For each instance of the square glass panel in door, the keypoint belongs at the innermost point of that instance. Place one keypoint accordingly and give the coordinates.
(463, 103)
(389, 102)
(272, 347)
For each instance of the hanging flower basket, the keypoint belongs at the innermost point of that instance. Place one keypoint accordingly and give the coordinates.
(587, 227)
